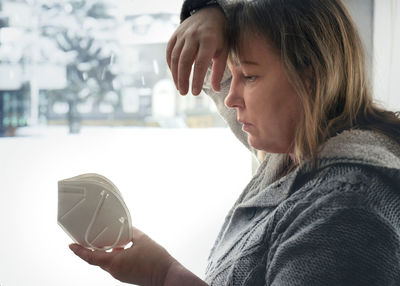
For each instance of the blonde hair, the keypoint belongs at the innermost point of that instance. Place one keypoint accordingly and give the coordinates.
(317, 36)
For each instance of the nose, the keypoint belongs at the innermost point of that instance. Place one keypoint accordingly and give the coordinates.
(234, 99)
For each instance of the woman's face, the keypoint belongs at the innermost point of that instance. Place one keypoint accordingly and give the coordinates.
(267, 105)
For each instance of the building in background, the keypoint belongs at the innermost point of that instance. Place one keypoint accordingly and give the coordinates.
(80, 62)
(98, 62)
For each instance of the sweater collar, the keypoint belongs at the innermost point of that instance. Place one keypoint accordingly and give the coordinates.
(361, 147)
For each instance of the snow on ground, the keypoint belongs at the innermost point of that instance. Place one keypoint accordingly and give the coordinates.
(177, 183)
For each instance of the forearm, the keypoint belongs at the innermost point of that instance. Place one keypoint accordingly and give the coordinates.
(201, 21)
(180, 276)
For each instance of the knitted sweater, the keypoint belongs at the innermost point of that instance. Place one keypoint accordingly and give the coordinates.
(339, 225)
(336, 225)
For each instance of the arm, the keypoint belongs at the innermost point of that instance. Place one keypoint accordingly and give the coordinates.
(198, 40)
(179, 275)
(343, 246)
(201, 40)
(144, 263)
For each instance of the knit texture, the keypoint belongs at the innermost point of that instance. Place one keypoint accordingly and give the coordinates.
(340, 228)
(336, 225)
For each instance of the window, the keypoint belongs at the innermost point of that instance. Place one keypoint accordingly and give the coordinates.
(84, 87)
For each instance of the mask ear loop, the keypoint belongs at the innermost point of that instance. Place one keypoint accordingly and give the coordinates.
(104, 196)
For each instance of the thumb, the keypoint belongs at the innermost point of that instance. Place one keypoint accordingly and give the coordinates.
(218, 69)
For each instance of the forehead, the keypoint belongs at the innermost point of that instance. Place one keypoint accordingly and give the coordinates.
(253, 49)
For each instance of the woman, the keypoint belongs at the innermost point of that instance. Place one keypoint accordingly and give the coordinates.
(324, 206)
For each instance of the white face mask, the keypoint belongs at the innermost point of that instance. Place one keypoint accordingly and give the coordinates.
(92, 212)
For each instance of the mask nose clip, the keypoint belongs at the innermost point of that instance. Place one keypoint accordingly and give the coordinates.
(103, 197)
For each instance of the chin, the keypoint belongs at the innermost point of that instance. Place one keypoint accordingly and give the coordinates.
(256, 144)
(266, 146)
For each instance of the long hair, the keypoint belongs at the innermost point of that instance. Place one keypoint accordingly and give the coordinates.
(317, 36)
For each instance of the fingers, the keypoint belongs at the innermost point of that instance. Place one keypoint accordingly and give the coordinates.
(182, 50)
(182, 58)
(185, 63)
(170, 48)
(203, 59)
(198, 40)
(98, 258)
(175, 57)
(218, 69)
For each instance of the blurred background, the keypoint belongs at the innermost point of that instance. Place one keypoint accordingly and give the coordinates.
(91, 63)
(84, 87)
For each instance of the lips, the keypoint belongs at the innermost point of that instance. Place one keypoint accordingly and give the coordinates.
(244, 122)
(246, 126)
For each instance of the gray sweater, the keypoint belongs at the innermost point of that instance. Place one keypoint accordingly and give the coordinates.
(337, 225)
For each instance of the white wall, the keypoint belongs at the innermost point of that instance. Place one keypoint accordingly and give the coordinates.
(386, 56)
(378, 22)
(362, 12)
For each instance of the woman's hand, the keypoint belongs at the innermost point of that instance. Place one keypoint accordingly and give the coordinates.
(144, 263)
(199, 39)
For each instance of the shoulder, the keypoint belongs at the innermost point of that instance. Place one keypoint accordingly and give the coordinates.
(342, 228)
(349, 180)
(343, 194)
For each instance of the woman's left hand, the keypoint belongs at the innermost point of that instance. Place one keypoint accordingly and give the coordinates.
(144, 263)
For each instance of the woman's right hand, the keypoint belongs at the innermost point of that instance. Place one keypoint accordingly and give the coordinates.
(144, 263)
(199, 39)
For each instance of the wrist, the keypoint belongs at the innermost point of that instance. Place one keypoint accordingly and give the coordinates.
(190, 7)
(211, 3)
(172, 273)
(161, 270)
(179, 275)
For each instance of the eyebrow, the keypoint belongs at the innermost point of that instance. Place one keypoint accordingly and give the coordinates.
(249, 63)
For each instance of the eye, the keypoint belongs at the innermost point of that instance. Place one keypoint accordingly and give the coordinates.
(250, 78)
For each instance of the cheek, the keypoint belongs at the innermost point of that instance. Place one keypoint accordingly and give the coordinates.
(288, 103)
(275, 103)
(281, 116)
(295, 109)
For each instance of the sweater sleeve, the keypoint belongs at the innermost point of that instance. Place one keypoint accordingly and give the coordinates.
(228, 114)
(344, 246)
(189, 5)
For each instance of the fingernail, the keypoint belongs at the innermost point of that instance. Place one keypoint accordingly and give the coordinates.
(73, 247)
(195, 90)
